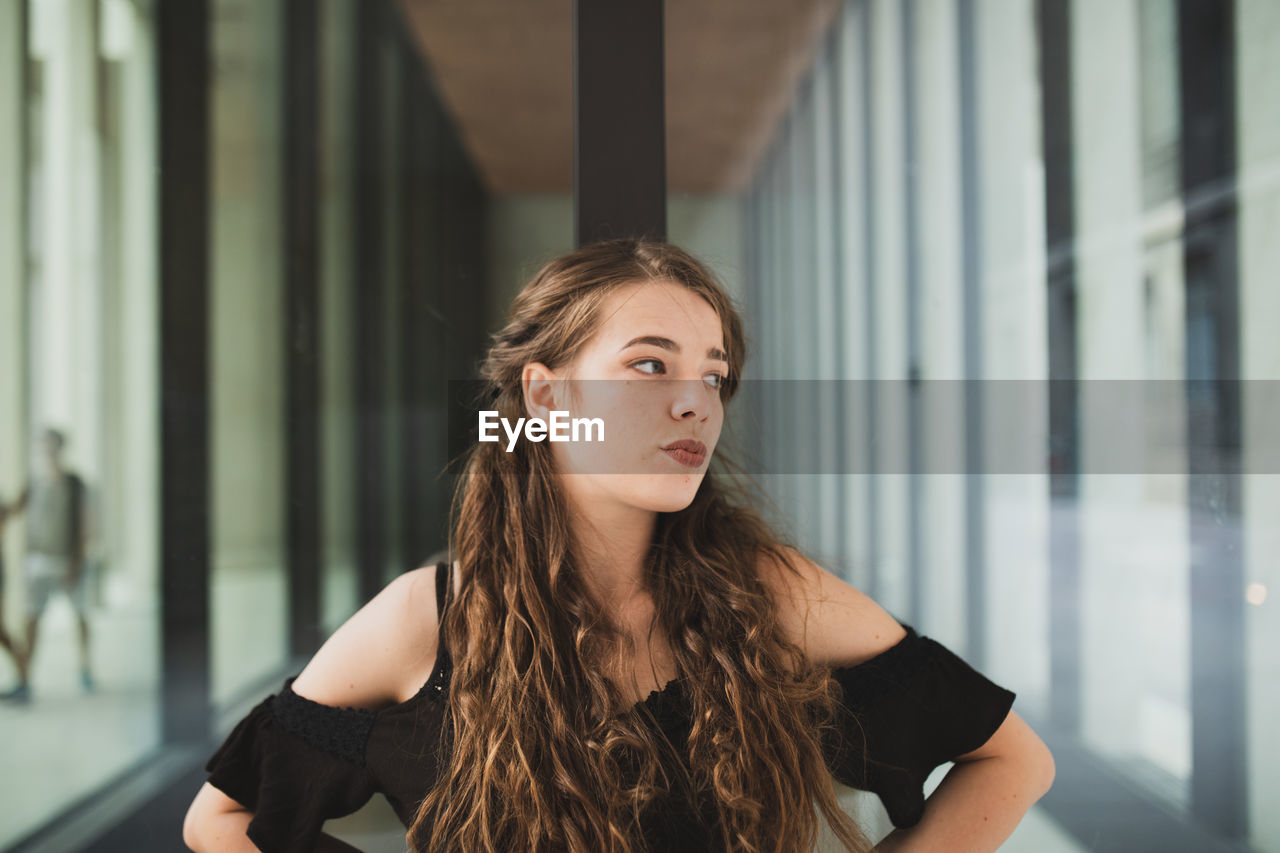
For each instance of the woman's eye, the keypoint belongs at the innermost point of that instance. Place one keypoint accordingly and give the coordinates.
(653, 361)
(715, 380)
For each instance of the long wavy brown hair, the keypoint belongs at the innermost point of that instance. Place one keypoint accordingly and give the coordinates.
(543, 753)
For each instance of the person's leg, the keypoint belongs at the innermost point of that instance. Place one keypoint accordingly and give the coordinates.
(42, 580)
(20, 692)
(6, 641)
(78, 593)
(40, 585)
(29, 652)
(86, 678)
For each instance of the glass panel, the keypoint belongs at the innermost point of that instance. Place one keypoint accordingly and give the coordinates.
(1008, 340)
(79, 579)
(939, 244)
(941, 200)
(249, 583)
(340, 587)
(1134, 536)
(1258, 146)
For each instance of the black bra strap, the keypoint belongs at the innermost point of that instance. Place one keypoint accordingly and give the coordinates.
(444, 591)
(442, 587)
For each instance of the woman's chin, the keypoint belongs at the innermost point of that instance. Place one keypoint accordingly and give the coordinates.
(653, 491)
(672, 492)
(667, 506)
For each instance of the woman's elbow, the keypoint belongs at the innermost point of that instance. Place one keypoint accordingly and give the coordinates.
(191, 828)
(211, 818)
(1048, 770)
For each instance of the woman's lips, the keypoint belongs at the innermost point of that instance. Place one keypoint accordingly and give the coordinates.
(688, 452)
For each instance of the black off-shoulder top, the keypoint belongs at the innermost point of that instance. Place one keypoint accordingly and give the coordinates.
(296, 763)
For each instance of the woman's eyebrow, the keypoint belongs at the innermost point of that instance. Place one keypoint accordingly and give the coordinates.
(668, 344)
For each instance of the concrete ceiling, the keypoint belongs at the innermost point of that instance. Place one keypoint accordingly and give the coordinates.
(505, 71)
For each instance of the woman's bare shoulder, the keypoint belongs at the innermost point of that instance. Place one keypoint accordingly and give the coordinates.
(835, 623)
(382, 654)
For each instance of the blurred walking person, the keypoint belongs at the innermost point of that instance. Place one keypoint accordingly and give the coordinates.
(58, 526)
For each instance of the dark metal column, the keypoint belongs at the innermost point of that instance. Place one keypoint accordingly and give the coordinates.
(843, 386)
(300, 141)
(367, 302)
(915, 609)
(420, 333)
(1053, 19)
(869, 330)
(619, 120)
(971, 288)
(183, 62)
(1219, 790)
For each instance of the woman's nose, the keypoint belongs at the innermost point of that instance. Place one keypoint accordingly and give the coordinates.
(692, 399)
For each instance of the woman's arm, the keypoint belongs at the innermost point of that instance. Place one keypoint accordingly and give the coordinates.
(378, 657)
(984, 795)
(987, 791)
(215, 822)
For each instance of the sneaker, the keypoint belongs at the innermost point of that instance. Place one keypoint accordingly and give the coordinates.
(86, 682)
(20, 695)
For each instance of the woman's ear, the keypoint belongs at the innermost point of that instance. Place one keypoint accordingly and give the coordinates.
(539, 385)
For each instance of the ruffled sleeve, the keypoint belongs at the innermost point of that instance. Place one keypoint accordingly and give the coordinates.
(294, 763)
(913, 707)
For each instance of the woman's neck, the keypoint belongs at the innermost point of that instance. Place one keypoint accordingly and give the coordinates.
(614, 542)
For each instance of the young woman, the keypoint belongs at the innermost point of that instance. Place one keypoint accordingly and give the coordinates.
(621, 657)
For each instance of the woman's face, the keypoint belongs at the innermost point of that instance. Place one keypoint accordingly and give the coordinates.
(651, 372)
